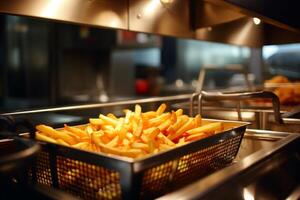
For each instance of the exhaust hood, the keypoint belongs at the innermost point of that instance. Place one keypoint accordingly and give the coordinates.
(251, 23)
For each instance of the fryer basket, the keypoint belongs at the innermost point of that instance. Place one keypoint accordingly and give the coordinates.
(92, 175)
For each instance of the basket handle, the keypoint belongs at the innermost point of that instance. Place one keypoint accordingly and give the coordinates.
(215, 96)
(10, 124)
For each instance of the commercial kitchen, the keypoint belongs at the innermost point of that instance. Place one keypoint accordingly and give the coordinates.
(149, 99)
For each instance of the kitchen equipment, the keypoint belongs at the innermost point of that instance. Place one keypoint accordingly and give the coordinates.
(96, 175)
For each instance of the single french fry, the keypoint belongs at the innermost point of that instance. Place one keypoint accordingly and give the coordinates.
(165, 125)
(80, 145)
(173, 117)
(110, 115)
(165, 139)
(164, 147)
(208, 128)
(89, 130)
(154, 133)
(179, 112)
(137, 111)
(120, 130)
(108, 127)
(55, 134)
(187, 126)
(108, 120)
(110, 133)
(161, 109)
(113, 142)
(60, 141)
(137, 127)
(96, 121)
(71, 134)
(112, 150)
(149, 114)
(76, 131)
(138, 145)
(196, 136)
(128, 117)
(197, 120)
(181, 120)
(45, 138)
(158, 120)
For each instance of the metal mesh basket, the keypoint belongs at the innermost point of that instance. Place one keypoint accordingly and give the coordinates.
(100, 176)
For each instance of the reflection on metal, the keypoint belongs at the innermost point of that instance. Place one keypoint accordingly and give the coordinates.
(208, 14)
(152, 16)
(240, 32)
(237, 68)
(111, 14)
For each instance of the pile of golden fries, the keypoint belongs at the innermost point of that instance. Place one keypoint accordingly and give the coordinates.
(135, 135)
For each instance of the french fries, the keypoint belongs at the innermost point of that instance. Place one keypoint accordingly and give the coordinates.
(135, 135)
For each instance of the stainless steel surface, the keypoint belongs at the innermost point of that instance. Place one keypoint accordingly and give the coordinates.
(218, 96)
(212, 20)
(250, 160)
(101, 105)
(231, 68)
(106, 13)
(152, 16)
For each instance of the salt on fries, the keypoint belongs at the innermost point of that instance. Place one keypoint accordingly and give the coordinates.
(135, 135)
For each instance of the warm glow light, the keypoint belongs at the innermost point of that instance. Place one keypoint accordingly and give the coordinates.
(256, 20)
(166, 1)
(151, 7)
(247, 194)
(52, 7)
(110, 17)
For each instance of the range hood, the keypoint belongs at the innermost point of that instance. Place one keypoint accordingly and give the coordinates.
(251, 23)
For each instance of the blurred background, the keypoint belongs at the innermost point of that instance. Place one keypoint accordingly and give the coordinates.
(45, 63)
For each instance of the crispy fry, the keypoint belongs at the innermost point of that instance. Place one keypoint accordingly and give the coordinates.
(113, 142)
(56, 134)
(60, 141)
(42, 137)
(187, 126)
(165, 139)
(108, 121)
(76, 131)
(182, 120)
(138, 145)
(137, 111)
(208, 128)
(197, 120)
(158, 120)
(161, 109)
(196, 136)
(179, 112)
(96, 121)
(149, 114)
(110, 115)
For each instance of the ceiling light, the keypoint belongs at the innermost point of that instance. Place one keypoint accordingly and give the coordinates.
(256, 20)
